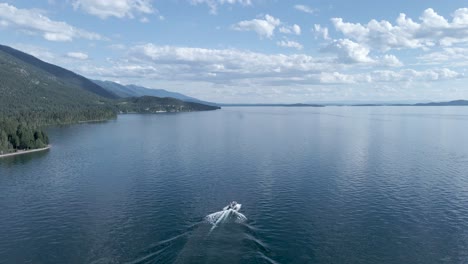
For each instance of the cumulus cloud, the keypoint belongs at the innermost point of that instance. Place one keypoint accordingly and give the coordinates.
(305, 9)
(33, 21)
(349, 51)
(114, 8)
(239, 67)
(391, 60)
(263, 27)
(431, 30)
(220, 66)
(294, 29)
(213, 4)
(289, 44)
(77, 55)
(458, 55)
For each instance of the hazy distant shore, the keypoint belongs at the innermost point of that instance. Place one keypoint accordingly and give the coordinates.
(21, 152)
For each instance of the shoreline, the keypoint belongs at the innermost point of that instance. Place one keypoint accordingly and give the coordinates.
(21, 152)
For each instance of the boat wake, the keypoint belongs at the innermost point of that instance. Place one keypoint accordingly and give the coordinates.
(233, 241)
(229, 214)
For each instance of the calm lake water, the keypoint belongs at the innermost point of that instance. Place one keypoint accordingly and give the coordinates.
(318, 185)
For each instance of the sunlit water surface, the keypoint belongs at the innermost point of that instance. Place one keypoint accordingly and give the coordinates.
(318, 185)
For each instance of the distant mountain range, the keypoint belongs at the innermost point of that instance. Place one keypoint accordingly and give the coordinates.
(449, 103)
(273, 105)
(125, 91)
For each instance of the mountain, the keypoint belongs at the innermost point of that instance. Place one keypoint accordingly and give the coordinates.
(131, 90)
(43, 93)
(450, 103)
(64, 76)
(273, 105)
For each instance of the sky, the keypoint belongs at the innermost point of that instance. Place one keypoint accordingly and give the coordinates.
(254, 51)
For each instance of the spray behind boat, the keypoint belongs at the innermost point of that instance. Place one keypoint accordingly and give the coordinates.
(222, 237)
(229, 214)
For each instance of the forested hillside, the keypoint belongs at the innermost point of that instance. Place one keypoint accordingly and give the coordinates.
(63, 76)
(34, 95)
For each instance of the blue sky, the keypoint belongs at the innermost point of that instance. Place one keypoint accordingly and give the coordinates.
(254, 50)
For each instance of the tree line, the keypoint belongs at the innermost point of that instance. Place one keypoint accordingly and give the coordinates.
(16, 134)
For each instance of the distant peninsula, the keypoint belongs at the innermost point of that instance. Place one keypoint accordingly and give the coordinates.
(449, 103)
(272, 105)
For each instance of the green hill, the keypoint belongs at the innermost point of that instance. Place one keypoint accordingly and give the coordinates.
(32, 93)
(64, 76)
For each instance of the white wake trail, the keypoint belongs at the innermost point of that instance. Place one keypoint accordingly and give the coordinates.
(229, 214)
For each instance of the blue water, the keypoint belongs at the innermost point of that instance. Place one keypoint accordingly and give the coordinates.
(318, 185)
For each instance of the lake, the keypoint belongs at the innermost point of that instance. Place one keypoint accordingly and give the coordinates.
(318, 185)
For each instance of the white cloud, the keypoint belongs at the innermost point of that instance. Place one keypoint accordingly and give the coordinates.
(77, 55)
(34, 21)
(391, 60)
(349, 51)
(220, 66)
(305, 9)
(321, 32)
(114, 8)
(289, 44)
(213, 4)
(456, 55)
(340, 78)
(385, 76)
(294, 29)
(410, 75)
(233, 67)
(432, 30)
(263, 27)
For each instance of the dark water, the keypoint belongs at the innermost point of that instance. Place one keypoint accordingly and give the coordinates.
(318, 185)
